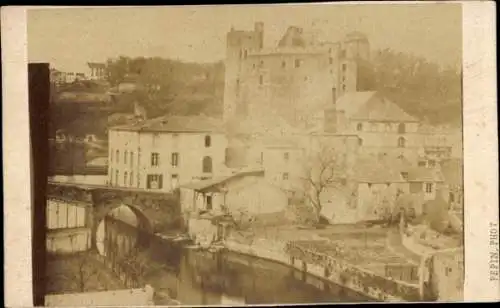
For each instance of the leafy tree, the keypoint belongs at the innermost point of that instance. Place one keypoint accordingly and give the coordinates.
(420, 87)
(116, 70)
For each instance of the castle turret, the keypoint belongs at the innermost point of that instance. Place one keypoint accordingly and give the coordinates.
(239, 45)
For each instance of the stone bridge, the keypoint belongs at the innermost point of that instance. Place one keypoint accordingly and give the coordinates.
(156, 212)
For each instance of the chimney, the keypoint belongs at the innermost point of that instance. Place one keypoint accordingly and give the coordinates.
(259, 29)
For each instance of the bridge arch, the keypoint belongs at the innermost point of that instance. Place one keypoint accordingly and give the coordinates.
(143, 229)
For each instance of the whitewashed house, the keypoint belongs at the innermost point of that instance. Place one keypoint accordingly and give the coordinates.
(163, 153)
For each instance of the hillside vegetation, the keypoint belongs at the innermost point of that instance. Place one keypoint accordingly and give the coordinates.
(172, 87)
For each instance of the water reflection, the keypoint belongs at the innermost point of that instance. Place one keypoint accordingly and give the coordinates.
(206, 278)
(196, 277)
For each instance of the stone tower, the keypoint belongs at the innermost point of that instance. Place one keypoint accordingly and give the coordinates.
(239, 45)
(354, 53)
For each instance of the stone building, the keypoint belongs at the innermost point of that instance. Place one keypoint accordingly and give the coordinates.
(162, 153)
(292, 78)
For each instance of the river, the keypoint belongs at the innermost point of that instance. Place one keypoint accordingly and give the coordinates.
(199, 277)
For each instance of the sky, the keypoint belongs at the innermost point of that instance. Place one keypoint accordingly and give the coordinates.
(68, 38)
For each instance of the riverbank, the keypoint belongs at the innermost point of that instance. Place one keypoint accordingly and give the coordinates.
(364, 265)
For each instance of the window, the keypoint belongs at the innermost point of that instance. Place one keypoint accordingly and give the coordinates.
(404, 175)
(207, 164)
(209, 202)
(261, 157)
(111, 176)
(111, 155)
(283, 64)
(131, 159)
(401, 142)
(342, 53)
(125, 157)
(174, 181)
(331, 60)
(138, 180)
(117, 174)
(208, 141)
(155, 159)
(359, 127)
(154, 181)
(131, 179)
(421, 163)
(432, 163)
(285, 176)
(360, 142)
(286, 155)
(344, 67)
(117, 156)
(125, 179)
(428, 188)
(401, 128)
(343, 87)
(175, 159)
(261, 80)
(261, 63)
(297, 63)
(245, 54)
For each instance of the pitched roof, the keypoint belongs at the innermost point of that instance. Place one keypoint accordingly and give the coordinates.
(204, 185)
(423, 174)
(371, 106)
(180, 124)
(371, 170)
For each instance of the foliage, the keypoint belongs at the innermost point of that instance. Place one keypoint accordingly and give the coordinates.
(166, 86)
(418, 86)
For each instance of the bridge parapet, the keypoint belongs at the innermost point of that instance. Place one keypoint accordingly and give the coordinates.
(156, 212)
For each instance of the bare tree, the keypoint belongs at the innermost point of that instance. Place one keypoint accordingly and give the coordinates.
(81, 268)
(321, 170)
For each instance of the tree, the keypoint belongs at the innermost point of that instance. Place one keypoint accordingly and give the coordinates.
(418, 86)
(116, 70)
(321, 170)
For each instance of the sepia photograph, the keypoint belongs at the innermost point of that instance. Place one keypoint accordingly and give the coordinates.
(247, 154)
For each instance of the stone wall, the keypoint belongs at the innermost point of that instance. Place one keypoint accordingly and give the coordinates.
(331, 269)
(353, 277)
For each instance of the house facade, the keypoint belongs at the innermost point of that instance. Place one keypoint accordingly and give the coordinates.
(245, 191)
(163, 153)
